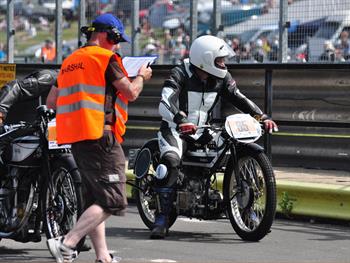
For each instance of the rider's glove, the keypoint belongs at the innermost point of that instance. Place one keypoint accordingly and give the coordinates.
(270, 126)
(187, 128)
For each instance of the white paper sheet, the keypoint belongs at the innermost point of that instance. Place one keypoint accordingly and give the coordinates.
(133, 64)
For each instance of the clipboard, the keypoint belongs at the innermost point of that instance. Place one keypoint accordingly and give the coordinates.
(133, 64)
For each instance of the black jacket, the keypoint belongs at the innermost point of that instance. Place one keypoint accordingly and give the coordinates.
(184, 91)
(30, 87)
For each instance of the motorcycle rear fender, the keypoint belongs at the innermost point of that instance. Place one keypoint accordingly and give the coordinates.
(71, 165)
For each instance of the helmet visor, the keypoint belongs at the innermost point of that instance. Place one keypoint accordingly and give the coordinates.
(226, 51)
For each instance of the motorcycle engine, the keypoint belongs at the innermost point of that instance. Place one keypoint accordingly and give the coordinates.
(191, 197)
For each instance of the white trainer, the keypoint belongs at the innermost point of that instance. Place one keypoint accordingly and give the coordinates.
(60, 252)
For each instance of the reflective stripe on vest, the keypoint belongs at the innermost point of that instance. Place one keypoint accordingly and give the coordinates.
(120, 108)
(81, 88)
(78, 106)
(82, 103)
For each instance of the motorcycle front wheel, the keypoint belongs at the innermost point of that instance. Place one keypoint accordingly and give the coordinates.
(252, 201)
(63, 203)
(145, 196)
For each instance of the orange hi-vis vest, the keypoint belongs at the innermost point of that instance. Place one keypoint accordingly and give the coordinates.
(48, 54)
(81, 97)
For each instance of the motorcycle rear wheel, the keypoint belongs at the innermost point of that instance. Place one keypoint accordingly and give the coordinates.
(252, 209)
(146, 199)
(62, 212)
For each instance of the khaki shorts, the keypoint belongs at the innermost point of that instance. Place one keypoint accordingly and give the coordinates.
(102, 166)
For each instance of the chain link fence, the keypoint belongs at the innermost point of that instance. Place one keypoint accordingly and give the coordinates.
(260, 31)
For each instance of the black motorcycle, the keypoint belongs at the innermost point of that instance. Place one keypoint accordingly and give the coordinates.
(40, 186)
(224, 156)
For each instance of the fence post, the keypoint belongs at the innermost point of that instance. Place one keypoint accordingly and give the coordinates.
(81, 21)
(193, 19)
(58, 31)
(135, 28)
(10, 31)
(216, 17)
(283, 32)
(268, 109)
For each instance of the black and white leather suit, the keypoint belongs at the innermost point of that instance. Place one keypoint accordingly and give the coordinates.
(184, 91)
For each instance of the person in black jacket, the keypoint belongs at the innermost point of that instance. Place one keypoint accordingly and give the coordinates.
(30, 87)
(188, 99)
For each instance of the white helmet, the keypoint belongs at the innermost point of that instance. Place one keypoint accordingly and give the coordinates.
(205, 49)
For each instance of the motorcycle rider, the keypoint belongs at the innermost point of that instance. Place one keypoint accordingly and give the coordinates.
(188, 99)
(30, 87)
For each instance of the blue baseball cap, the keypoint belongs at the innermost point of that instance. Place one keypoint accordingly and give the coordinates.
(112, 21)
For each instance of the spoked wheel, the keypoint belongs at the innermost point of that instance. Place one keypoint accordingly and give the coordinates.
(23, 202)
(252, 203)
(146, 198)
(63, 204)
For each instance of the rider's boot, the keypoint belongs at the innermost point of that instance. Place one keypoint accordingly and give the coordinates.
(161, 224)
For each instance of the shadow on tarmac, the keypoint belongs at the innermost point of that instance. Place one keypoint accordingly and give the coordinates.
(22, 255)
(324, 232)
(179, 236)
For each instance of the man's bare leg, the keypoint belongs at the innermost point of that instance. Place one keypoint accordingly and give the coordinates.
(98, 239)
(86, 224)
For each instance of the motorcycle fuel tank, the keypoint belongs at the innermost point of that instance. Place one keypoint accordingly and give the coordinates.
(22, 149)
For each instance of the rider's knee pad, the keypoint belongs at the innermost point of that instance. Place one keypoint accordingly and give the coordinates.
(171, 160)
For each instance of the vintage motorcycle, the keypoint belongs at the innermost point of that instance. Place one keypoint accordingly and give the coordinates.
(248, 194)
(40, 186)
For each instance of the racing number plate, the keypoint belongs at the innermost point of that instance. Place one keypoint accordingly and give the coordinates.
(243, 126)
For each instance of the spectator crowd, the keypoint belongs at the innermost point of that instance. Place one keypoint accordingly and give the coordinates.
(171, 45)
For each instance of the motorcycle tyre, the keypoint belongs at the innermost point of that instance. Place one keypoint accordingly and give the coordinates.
(154, 149)
(270, 208)
(56, 166)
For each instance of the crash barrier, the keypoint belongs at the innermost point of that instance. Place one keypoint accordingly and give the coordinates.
(315, 200)
(310, 102)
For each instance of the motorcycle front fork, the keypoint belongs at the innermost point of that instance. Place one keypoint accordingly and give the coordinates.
(236, 169)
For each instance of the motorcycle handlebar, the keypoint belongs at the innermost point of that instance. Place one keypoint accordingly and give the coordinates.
(203, 127)
(10, 127)
(209, 127)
